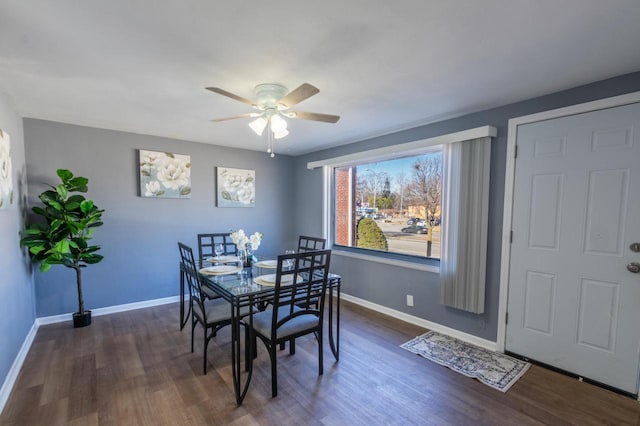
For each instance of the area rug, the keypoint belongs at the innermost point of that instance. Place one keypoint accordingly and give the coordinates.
(494, 369)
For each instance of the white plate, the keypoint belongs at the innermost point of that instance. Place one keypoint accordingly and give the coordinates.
(220, 270)
(270, 279)
(259, 280)
(269, 264)
(223, 259)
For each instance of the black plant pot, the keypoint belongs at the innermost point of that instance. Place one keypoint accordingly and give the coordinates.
(81, 320)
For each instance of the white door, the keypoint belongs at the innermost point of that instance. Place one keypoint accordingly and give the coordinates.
(573, 303)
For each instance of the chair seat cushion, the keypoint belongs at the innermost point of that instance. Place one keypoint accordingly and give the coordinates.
(262, 322)
(217, 310)
(210, 293)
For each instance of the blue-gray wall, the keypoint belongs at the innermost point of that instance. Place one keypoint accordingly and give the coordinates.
(139, 237)
(16, 283)
(388, 285)
(140, 234)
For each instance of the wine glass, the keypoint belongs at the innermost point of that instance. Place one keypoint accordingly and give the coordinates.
(289, 262)
(218, 249)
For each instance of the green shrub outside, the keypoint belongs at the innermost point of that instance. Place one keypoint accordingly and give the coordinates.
(370, 235)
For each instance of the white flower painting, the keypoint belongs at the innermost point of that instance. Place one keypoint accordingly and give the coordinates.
(236, 187)
(165, 175)
(6, 181)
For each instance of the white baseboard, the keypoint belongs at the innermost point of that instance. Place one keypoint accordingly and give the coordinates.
(109, 310)
(12, 375)
(469, 338)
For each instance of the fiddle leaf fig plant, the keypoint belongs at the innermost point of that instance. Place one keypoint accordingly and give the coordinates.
(62, 237)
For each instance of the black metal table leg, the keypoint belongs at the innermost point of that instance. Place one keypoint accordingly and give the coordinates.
(236, 353)
(337, 353)
(235, 350)
(334, 343)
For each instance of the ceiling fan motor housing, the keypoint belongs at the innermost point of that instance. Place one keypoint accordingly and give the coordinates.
(268, 95)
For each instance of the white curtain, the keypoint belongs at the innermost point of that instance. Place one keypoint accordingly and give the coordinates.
(465, 206)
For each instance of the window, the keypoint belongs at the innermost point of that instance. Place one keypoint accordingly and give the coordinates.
(390, 205)
(370, 185)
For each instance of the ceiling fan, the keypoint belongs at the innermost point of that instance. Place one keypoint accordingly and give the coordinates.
(274, 104)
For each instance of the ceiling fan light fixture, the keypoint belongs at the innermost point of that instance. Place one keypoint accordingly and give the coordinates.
(278, 124)
(258, 125)
(280, 135)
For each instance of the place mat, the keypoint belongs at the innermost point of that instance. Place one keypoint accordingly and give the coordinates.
(270, 264)
(220, 270)
(494, 369)
(223, 259)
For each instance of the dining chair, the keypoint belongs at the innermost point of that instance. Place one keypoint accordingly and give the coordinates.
(211, 314)
(291, 315)
(207, 242)
(306, 243)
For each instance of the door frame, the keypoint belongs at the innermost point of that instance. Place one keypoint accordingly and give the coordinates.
(505, 259)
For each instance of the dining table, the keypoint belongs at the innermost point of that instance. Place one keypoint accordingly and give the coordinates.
(243, 287)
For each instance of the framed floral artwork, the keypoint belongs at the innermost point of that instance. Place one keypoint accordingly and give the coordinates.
(6, 180)
(236, 187)
(164, 174)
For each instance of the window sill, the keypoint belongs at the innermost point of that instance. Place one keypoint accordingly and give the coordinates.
(387, 261)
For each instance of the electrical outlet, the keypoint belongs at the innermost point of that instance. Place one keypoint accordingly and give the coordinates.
(409, 300)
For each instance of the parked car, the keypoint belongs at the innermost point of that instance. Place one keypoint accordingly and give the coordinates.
(413, 220)
(415, 229)
(421, 223)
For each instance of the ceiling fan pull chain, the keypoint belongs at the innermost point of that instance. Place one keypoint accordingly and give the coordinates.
(270, 140)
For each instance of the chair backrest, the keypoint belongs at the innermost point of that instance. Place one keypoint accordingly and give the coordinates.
(206, 243)
(297, 287)
(306, 243)
(191, 274)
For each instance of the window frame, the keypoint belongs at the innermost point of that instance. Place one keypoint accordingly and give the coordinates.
(416, 148)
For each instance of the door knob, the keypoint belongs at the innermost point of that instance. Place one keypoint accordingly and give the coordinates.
(633, 267)
(635, 247)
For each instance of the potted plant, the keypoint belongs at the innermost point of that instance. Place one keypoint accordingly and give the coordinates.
(62, 238)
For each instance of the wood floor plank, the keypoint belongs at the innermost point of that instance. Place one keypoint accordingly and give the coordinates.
(136, 368)
(83, 387)
(57, 380)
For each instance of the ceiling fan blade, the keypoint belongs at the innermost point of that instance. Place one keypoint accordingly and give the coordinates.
(252, 114)
(304, 91)
(231, 95)
(315, 116)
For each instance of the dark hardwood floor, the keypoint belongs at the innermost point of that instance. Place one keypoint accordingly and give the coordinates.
(135, 368)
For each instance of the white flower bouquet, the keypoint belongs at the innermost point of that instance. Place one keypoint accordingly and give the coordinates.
(246, 245)
(241, 239)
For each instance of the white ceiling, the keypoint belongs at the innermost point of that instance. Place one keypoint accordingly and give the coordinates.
(142, 65)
